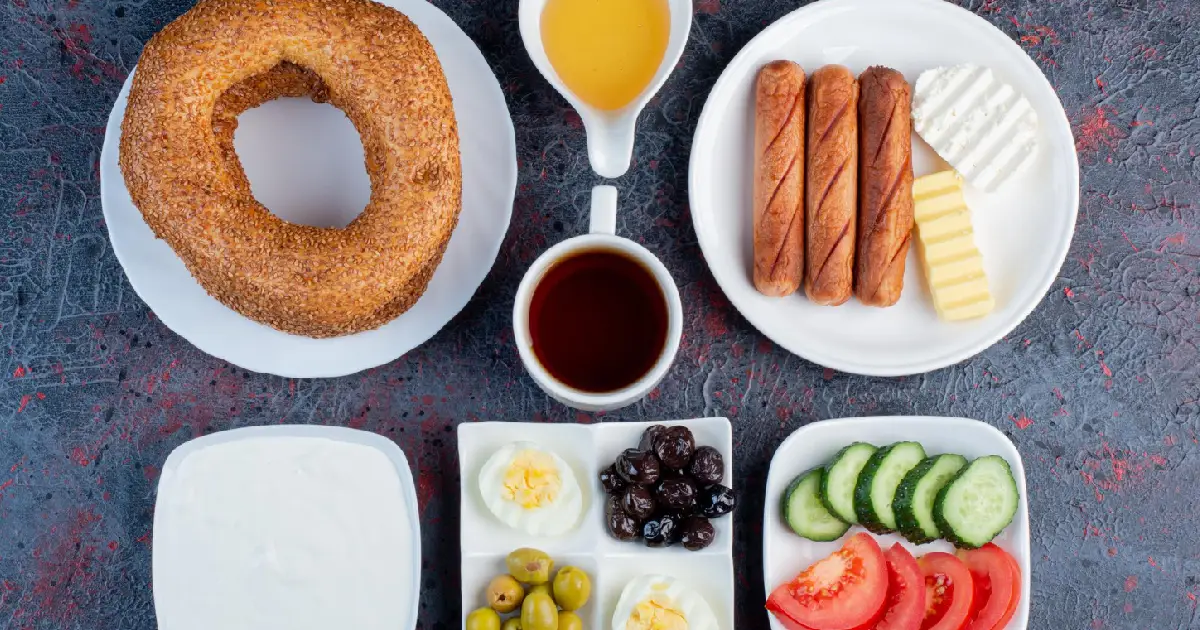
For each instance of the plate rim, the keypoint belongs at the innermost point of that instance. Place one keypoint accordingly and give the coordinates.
(312, 366)
(388, 448)
(853, 426)
(707, 124)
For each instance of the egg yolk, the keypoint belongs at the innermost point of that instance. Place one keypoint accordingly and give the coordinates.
(532, 480)
(656, 613)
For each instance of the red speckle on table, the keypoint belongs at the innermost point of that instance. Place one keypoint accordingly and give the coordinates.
(150, 472)
(1023, 422)
(1095, 131)
(1068, 292)
(19, 372)
(1131, 583)
(426, 489)
(714, 324)
(24, 401)
(708, 7)
(1128, 608)
(828, 374)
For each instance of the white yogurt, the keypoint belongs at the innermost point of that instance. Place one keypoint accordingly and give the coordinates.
(287, 533)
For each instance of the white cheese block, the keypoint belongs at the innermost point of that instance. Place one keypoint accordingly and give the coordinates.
(981, 126)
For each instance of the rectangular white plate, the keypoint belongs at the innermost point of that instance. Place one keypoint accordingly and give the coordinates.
(178, 557)
(485, 541)
(785, 554)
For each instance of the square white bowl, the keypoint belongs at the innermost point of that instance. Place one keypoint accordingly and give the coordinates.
(611, 564)
(785, 554)
(176, 555)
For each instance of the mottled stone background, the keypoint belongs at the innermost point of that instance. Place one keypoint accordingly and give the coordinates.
(1100, 388)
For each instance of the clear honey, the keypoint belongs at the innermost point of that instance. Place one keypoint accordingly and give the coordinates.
(606, 51)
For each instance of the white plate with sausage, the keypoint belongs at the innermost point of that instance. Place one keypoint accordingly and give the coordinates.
(1023, 229)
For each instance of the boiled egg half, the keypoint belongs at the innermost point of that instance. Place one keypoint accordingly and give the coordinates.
(658, 602)
(531, 489)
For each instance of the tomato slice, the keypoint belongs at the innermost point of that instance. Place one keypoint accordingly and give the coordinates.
(843, 591)
(949, 592)
(997, 581)
(905, 607)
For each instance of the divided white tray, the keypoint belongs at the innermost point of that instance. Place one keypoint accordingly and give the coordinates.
(785, 554)
(611, 564)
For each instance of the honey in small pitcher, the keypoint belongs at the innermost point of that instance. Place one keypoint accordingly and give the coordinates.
(606, 51)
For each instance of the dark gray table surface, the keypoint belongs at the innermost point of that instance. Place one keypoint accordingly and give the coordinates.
(1099, 388)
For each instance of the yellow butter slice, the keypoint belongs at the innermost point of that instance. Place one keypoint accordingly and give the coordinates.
(953, 265)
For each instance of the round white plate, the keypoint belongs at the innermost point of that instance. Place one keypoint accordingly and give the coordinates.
(1023, 230)
(324, 165)
(785, 554)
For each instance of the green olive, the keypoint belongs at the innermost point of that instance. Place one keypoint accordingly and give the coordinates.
(539, 612)
(504, 594)
(530, 566)
(512, 624)
(569, 621)
(483, 619)
(544, 589)
(572, 588)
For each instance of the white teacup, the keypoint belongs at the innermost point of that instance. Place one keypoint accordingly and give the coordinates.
(601, 236)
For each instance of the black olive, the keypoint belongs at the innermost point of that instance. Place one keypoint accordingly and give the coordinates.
(716, 500)
(637, 502)
(659, 531)
(676, 495)
(674, 447)
(620, 525)
(637, 467)
(696, 533)
(673, 473)
(707, 466)
(649, 435)
(611, 481)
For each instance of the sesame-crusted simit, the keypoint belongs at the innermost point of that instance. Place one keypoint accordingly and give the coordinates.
(226, 56)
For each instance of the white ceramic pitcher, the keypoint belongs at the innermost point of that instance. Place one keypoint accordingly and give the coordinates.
(609, 132)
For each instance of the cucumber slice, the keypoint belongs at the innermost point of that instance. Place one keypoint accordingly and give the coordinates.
(878, 481)
(804, 512)
(913, 504)
(841, 475)
(978, 503)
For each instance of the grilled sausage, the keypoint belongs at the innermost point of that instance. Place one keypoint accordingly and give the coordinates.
(885, 218)
(832, 174)
(779, 179)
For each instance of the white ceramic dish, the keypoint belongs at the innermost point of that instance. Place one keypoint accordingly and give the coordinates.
(177, 557)
(609, 133)
(489, 171)
(785, 554)
(1023, 230)
(611, 564)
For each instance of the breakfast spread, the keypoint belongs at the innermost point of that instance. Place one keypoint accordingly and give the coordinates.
(531, 489)
(953, 266)
(834, 205)
(984, 128)
(666, 490)
(536, 597)
(779, 179)
(861, 586)
(659, 602)
(885, 180)
(898, 488)
(606, 52)
(830, 206)
(365, 58)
